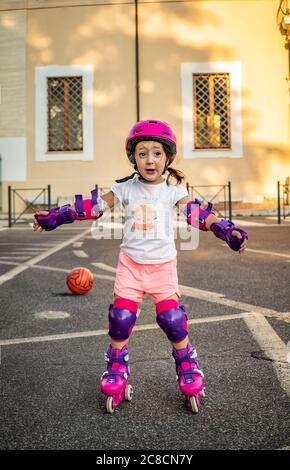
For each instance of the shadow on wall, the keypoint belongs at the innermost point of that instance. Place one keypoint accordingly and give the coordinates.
(169, 34)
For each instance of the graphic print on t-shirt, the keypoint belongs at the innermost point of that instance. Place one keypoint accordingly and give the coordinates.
(150, 213)
(143, 218)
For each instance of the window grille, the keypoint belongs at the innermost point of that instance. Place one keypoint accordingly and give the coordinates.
(65, 116)
(211, 110)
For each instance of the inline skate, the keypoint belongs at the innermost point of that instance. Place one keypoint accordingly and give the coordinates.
(114, 381)
(189, 376)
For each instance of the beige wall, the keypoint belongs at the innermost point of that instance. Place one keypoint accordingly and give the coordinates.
(101, 36)
(170, 34)
(242, 31)
(13, 74)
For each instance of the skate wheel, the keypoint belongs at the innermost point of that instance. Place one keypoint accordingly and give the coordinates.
(129, 392)
(202, 395)
(109, 405)
(193, 404)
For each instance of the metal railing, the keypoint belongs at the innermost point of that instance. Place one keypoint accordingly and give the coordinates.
(283, 199)
(14, 193)
(203, 193)
(193, 191)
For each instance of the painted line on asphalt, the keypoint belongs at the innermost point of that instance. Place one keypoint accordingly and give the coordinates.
(272, 345)
(269, 253)
(85, 334)
(263, 252)
(19, 269)
(80, 254)
(248, 223)
(30, 250)
(260, 329)
(32, 244)
(21, 252)
(105, 267)
(50, 268)
(208, 296)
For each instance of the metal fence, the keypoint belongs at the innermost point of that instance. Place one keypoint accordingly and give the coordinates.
(283, 199)
(219, 195)
(15, 194)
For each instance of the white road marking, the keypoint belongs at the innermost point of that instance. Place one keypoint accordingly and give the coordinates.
(221, 299)
(248, 223)
(30, 250)
(78, 244)
(269, 253)
(188, 291)
(19, 269)
(260, 329)
(199, 293)
(33, 245)
(23, 258)
(263, 252)
(105, 267)
(61, 270)
(13, 263)
(82, 334)
(272, 345)
(51, 315)
(80, 254)
(20, 252)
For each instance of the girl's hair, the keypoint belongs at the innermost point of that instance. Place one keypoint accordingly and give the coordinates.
(173, 172)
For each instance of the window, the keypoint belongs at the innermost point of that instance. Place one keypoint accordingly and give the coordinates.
(211, 111)
(65, 117)
(64, 112)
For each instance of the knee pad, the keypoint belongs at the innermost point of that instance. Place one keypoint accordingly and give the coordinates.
(172, 319)
(122, 318)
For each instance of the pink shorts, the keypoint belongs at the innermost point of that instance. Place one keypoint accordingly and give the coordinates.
(133, 280)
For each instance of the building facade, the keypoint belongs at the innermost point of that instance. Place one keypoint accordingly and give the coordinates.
(76, 75)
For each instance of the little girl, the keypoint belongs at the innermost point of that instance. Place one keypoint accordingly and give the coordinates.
(147, 259)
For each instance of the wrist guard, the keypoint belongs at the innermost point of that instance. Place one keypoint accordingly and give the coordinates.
(83, 209)
(196, 216)
(224, 229)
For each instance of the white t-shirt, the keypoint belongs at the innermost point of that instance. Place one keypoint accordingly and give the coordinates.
(149, 214)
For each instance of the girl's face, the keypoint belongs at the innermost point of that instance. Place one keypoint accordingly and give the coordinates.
(150, 159)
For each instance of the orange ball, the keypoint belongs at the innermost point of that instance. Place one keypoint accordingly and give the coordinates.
(80, 281)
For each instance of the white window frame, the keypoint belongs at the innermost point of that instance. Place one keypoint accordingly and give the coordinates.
(235, 71)
(41, 112)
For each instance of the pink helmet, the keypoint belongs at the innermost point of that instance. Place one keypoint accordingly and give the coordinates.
(151, 130)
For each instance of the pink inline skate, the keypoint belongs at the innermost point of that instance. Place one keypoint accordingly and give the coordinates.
(114, 383)
(189, 376)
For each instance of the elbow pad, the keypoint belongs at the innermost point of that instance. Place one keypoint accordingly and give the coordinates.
(83, 209)
(89, 208)
(195, 215)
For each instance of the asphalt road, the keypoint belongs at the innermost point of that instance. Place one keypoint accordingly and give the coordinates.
(239, 312)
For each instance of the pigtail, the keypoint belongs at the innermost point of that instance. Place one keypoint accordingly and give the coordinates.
(136, 172)
(176, 174)
(122, 180)
(173, 172)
